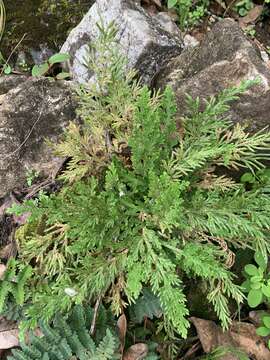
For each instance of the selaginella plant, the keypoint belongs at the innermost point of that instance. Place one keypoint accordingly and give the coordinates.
(69, 339)
(12, 284)
(142, 204)
(189, 11)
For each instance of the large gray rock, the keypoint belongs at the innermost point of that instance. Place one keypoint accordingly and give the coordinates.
(35, 110)
(9, 82)
(148, 43)
(223, 59)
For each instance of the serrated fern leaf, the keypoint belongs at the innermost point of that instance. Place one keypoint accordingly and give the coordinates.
(62, 341)
(106, 348)
(146, 306)
(13, 283)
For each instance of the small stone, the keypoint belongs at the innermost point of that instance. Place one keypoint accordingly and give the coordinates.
(265, 56)
(190, 41)
(167, 23)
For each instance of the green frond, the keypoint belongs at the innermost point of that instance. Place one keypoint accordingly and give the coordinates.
(64, 340)
(32, 352)
(18, 355)
(77, 321)
(13, 282)
(146, 306)
(143, 205)
(106, 348)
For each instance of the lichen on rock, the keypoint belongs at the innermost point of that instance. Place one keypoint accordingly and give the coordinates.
(32, 112)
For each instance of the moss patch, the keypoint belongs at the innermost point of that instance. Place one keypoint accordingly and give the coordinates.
(43, 21)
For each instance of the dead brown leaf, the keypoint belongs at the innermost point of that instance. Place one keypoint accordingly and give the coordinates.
(247, 339)
(9, 334)
(122, 330)
(9, 201)
(6, 204)
(217, 7)
(240, 336)
(8, 251)
(7, 225)
(155, 2)
(173, 14)
(2, 270)
(212, 336)
(251, 17)
(191, 351)
(6, 324)
(255, 316)
(136, 352)
(151, 6)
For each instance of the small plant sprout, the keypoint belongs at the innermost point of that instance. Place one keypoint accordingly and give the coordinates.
(31, 176)
(257, 284)
(46, 67)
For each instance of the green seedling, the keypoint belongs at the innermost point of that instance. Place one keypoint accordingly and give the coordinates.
(242, 7)
(255, 180)
(257, 284)
(189, 12)
(264, 329)
(6, 68)
(46, 67)
(250, 31)
(31, 176)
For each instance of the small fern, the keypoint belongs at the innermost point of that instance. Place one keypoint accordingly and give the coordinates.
(146, 306)
(67, 338)
(13, 283)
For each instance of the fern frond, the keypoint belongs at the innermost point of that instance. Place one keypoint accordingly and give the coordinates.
(106, 349)
(63, 341)
(18, 355)
(13, 282)
(146, 306)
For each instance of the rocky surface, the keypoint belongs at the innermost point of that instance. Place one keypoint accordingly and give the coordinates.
(148, 43)
(32, 110)
(9, 82)
(223, 59)
(46, 24)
